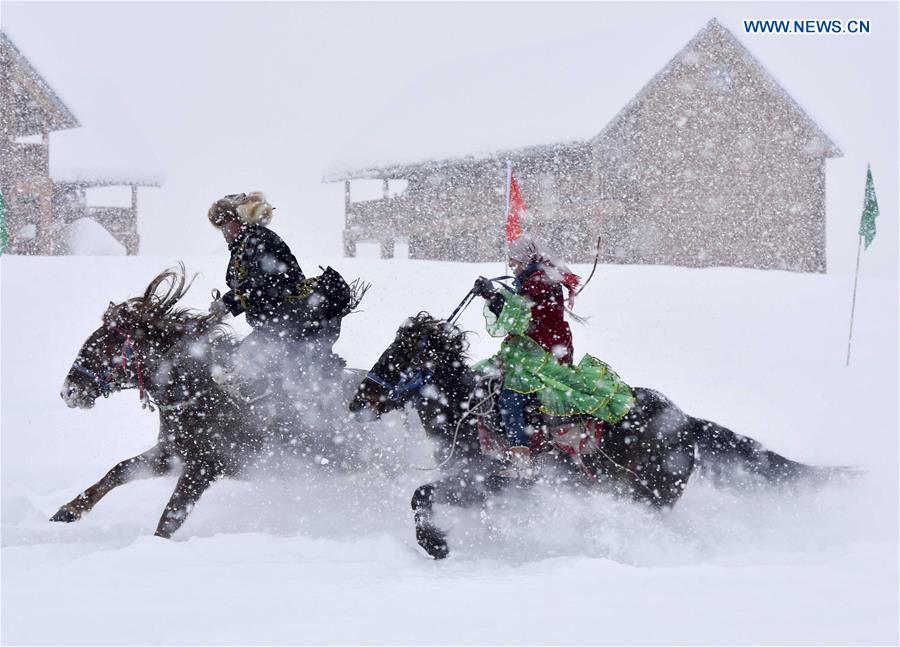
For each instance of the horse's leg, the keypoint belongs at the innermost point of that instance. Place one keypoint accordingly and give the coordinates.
(194, 481)
(429, 536)
(451, 490)
(153, 462)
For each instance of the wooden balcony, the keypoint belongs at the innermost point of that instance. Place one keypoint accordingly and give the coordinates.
(383, 219)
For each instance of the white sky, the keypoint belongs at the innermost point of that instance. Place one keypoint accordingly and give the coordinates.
(265, 96)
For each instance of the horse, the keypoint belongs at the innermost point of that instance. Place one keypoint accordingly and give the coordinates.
(648, 456)
(171, 356)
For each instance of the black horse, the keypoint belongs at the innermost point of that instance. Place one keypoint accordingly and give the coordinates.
(649, 455)
(169, 354)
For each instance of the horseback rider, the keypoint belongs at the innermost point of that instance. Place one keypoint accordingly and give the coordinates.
(267, 285)
(539, 281)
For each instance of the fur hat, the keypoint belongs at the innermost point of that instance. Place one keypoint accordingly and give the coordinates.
(250, 209)
(524, 249)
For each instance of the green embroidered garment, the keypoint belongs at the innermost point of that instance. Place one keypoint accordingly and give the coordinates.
(591, 387)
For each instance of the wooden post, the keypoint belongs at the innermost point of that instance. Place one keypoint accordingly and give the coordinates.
(349, 245)
(387, 249)
(349, 239)
(384, 188)
(43, 186)
(132, 248)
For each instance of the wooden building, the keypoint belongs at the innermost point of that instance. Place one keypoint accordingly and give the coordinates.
(29, 111)
(712, 163)
(45, 181)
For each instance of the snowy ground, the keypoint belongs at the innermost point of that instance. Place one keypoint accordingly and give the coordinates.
(305, 558)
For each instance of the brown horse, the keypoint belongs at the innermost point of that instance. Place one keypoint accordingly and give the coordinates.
(169, 354)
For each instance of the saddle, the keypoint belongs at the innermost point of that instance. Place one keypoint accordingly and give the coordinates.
(576, 436)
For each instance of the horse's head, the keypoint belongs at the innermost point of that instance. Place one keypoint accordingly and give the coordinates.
(106, 362)
(111, 358)
(422, 347)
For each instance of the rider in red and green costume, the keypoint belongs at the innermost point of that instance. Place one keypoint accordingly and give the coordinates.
(536, 354)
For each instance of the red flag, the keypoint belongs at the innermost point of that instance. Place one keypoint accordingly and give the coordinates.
(515, 208)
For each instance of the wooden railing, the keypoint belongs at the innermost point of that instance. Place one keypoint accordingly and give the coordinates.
(384, 219)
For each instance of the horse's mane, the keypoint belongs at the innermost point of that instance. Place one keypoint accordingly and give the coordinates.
(156, 313)
(453, 344)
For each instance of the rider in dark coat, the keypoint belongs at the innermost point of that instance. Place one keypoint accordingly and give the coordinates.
(267, 283)
(262, 274)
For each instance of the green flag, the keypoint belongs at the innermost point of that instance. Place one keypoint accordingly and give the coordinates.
(4, 236)
(870, 211)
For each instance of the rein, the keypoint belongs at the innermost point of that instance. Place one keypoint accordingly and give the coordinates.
(412, 384)
(469, 410)
(397, 391)
(470, 296)
(457, 313)
(418, 379)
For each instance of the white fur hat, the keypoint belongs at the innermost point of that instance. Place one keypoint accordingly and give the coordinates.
(250, 209)
(254, 210)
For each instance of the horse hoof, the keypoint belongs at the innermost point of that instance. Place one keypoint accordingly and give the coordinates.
(65, 515)
(432, 540)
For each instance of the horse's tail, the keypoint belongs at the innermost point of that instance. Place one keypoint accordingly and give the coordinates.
(727, 456)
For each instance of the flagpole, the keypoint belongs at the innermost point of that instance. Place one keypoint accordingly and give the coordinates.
(853, 307)
(506, 215)
(508, 183)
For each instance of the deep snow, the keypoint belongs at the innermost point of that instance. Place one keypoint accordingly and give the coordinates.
(303, 557)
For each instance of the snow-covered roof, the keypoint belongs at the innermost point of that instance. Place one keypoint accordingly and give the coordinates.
(36, 106)
(714, 29)
(105, 151)
(109, 147)
(542, 96)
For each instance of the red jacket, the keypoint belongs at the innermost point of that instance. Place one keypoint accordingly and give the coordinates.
(548, 327)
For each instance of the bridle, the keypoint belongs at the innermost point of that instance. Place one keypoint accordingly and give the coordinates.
(420, 377)
(407, 384)
(103, 381)
(413, 383)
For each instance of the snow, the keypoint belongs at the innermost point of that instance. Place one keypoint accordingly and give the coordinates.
(305, 557)
(86, 237)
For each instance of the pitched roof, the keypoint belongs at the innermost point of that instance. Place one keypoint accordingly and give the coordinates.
(710, 31)
(573, 92)
(37, 107)
(109, 149)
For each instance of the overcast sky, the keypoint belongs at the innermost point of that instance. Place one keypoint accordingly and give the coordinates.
(266, 96)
